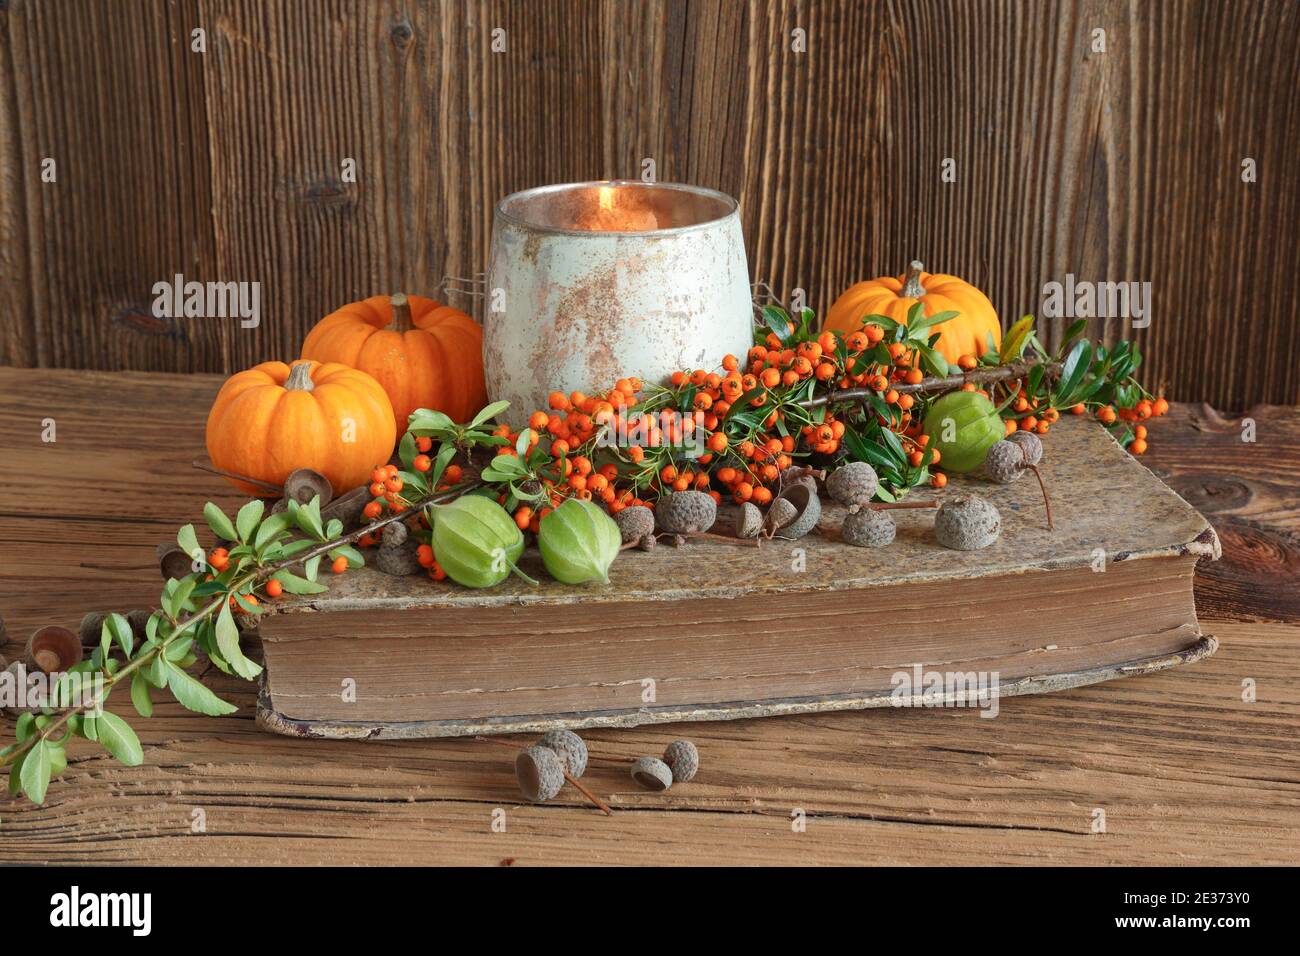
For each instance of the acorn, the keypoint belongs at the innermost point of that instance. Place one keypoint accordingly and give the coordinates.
(394, 535)
(749, 522)
(635, 523)
(139, 621)
(1008, 460)
(652, 773)
(92, 627)
(852, 485)
(647, 543)
(868, 528)
(304, 484)
(967, 523)
(540, 773)
(1031, 443)
(571, 748)
(53, 649)
(686, 512)
(808, 511)
(801, 475)
(682, 759)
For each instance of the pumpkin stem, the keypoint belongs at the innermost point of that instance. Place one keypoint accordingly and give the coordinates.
(912, 287)
(299, 379)
(401, 312)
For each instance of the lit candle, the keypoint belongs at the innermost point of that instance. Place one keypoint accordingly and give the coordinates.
(610, 214)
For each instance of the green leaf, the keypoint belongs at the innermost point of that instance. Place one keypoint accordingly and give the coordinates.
(228, 642)
(1013, 343)
(219, 523)
(1072, 372)
(248, 517)
(355, 557)
(194, 696)
(140, 698)
(115, 628)
(188, 540)
(37, 768)
(924, 324)
(406, 450)
(488, 411)
(117, 737)
(25, 726)
(446, 451)
(16, 775)
(312, 566)
(296, 585)
(271, 528)
(308, 518)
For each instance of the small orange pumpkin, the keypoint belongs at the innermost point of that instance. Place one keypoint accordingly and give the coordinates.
(966, 334)
(271, 420)
(432, 357)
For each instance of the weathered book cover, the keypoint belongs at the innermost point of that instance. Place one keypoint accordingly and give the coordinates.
(714, 631)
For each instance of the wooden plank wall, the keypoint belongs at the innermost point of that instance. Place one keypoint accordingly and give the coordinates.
(228, 164)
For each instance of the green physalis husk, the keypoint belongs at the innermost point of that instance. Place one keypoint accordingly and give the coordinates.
(963, 426)
(476, 541)
(578, 542)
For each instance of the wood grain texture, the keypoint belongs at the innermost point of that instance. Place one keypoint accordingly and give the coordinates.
(1123, 165)
(1186, 770)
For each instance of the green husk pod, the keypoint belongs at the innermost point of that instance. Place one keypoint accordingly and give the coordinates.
(963, 426)
(476, 541)
(578, 542)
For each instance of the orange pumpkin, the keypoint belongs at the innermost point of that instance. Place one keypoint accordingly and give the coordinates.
(432, 357)
(270, 420)
(966, 334)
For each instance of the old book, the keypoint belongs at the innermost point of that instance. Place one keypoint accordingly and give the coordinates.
(713, 631)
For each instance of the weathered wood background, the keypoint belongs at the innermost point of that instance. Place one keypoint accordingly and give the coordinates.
(228, 164)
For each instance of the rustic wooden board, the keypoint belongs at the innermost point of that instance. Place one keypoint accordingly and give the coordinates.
(228, 165)
(1186, 770)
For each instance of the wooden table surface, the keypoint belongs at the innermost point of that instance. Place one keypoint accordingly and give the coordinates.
(1185, 770)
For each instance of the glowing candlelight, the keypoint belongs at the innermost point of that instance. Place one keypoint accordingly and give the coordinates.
(611, 213)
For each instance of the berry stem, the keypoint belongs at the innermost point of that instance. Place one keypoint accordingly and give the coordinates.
(994, 373)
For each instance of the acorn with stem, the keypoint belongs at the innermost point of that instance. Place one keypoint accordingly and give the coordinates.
(1010, 458)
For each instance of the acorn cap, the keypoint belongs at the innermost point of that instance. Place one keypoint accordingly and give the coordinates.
(652, 773)
(1031, 443)
(172, 561)
(749, 522)
(682, 759)
(53, 648)
(868, 528)
(852, 485)
(808, 506)
(539, 772)
(635, 523)
(395, 534)
(967, 523)
(683, 512)
(304, 484)
(571, 748)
